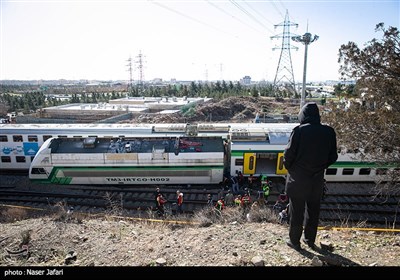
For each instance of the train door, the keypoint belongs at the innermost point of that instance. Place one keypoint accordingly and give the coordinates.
(249, 163)
(280, 168)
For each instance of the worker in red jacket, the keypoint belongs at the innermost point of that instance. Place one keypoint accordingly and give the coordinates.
(179, 201)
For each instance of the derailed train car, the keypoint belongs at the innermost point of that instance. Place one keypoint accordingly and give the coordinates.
(133, 160)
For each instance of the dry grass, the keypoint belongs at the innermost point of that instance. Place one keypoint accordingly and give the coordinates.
(209, 238)
(13, 214)
(209, 216)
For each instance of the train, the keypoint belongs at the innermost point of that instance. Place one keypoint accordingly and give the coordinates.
(19, 143)
(126, 154)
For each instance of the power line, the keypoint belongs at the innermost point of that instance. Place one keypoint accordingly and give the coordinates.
(232, 16)
(243, 10)
(191, 18)
(260, 15)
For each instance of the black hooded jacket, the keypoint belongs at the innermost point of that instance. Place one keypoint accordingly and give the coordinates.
(312, 146)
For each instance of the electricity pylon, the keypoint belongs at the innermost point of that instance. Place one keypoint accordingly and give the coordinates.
(284, 72)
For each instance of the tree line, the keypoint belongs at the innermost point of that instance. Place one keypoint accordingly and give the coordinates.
(29, 98)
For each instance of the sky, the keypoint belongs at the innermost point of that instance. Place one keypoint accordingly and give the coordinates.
(183, 40)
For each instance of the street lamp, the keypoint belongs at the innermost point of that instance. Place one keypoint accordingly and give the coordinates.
(306, 39)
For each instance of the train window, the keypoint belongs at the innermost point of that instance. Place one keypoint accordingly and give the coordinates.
(62, 136)
(38, 171)
(331, 171)
(20, 159)
(17, 138)
(3, 138)
(239, 162)
(381, 171)
(348, 171)
(93, 136)
(32, 138)
(365, 171)
(281, 163)
(45, 137)
(5, 159)
(251, 163)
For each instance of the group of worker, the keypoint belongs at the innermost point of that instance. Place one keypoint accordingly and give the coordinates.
(229, 200)
(160, 201)
(243, 199)
(236, 184)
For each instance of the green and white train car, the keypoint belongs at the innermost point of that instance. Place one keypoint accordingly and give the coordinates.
(130, 161)
(256, 151)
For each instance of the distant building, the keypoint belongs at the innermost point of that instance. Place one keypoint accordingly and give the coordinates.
(130, 105)
(246, 80)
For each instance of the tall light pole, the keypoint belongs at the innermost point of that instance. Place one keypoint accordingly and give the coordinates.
(306, 39)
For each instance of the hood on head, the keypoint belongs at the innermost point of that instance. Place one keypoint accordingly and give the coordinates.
(309, 113)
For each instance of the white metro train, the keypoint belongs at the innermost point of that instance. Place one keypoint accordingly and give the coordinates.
(19, 143)
(174, 154)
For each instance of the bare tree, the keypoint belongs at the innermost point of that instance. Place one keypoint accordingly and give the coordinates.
(370, 122)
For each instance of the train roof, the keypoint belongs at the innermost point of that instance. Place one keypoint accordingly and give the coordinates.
(75, 128)
(260, 130)
(159, 126)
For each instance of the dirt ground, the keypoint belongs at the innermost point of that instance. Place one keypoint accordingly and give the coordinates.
(62, 239)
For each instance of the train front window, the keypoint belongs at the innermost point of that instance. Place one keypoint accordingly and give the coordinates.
(38, 171)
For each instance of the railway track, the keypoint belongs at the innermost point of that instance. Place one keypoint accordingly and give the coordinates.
(96, 200)
(344, 202)
(356, 203)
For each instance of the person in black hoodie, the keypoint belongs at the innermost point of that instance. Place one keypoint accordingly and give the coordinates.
(310, 150)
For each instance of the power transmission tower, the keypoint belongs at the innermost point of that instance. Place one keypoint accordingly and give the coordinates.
(140, 62)
(130, 85)
(284, 71)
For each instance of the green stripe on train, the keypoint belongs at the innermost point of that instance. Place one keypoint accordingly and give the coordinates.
(67, 180)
